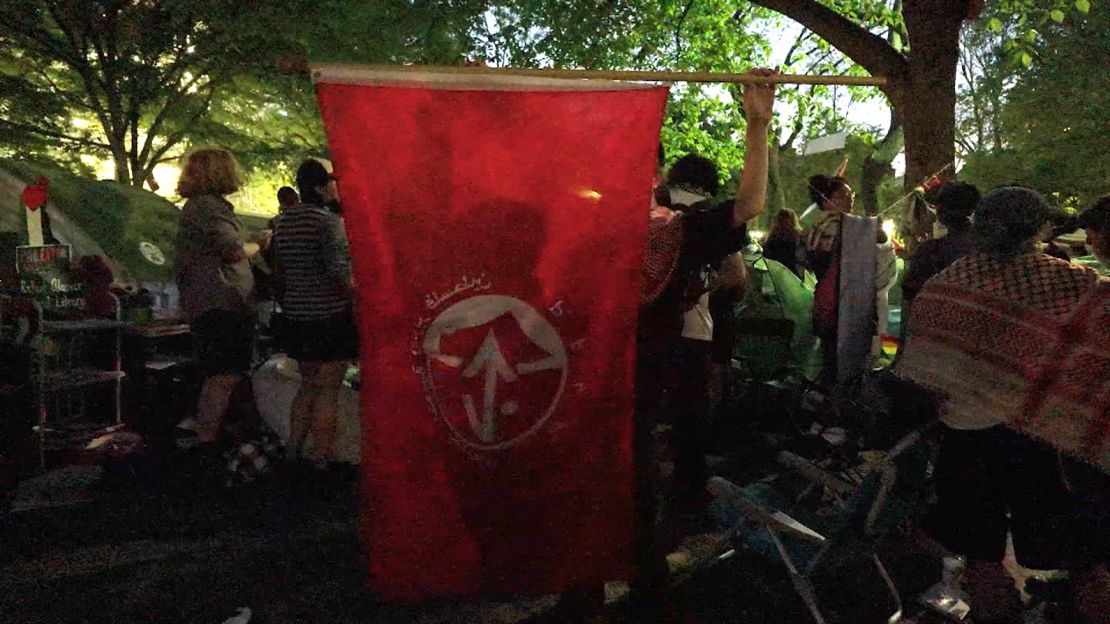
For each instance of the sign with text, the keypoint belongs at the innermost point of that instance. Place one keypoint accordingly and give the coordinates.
(44, 274)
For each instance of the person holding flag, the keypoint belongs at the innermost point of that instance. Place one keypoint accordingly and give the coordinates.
(676, 240)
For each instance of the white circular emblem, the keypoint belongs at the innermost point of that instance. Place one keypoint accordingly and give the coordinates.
(496, 370)
(152, 254)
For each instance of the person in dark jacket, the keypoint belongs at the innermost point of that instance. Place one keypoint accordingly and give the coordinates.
(954, 204)
(784, 241)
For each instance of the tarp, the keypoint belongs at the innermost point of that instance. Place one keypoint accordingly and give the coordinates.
(775, 292)
(497, 229)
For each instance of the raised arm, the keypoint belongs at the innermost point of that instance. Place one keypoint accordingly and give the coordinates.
(751, 194)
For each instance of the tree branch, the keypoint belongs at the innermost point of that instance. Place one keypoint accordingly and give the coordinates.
(870, 51)
(789, 58)
(678, 29)
(55, 135)
(176, 137)
(171, 100)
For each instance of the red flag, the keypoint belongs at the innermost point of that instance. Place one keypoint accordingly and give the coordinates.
(497, 227)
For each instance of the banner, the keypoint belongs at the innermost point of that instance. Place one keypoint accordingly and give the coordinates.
(497, 229)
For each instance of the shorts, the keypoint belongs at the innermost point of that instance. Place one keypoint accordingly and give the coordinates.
(994, 481)
(330, 339)
(224, 341)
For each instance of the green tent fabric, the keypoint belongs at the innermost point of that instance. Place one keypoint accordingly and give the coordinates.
(775, 323)
(1093, 263)
(100, 217)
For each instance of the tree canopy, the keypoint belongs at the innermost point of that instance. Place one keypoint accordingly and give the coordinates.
(1040, 120)
(141, 81)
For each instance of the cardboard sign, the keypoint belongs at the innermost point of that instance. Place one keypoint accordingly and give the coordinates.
(44, 274)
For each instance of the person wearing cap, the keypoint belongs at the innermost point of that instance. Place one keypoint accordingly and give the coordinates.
(979, 331)
(315, 290)
(1095, 221)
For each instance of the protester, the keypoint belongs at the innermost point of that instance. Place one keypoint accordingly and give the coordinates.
(822, 241)
(217, 288)
(314, 289)
(731, 282)
(679, 244)
(262, 265)
(784, 241)
(1095, 221)
(710, 235)
(834, 197)
(287, 197)
(955, 201)
(977, 330)
(673, 250)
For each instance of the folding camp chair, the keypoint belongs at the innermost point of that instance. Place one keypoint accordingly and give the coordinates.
(770, 521)
(761, 348)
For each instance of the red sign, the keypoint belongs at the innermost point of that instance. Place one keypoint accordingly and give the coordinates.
(497, 230)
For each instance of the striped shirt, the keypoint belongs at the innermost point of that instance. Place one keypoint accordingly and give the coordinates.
(314, 262)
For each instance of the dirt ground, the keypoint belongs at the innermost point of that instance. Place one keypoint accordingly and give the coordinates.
(288, 550)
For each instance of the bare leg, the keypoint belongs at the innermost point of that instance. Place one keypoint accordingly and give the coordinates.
(300, 413)
(214, 397)
(329, 380)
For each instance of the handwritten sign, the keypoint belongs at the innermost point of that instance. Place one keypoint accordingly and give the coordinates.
(35, 258)
(44, 274)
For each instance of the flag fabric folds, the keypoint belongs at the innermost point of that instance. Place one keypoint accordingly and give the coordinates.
(497, 228)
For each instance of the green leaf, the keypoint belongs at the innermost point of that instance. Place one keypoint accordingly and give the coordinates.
(1026, 60)
(1057, 15)
(896, 41)
(995, 24)
(1083, 6)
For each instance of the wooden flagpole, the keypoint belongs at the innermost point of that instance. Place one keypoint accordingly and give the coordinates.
(292, 67)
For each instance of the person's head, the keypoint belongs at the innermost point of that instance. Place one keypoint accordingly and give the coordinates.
(784, 224)
(831, 193)
(955, 202)
(210, 171)
(286, 197)
(694, 173)
(316, 184)
(1095, 221)
(1009, 221)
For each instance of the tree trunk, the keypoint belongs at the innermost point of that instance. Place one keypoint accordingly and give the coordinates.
(123, 167)
(877, 166)
(928, 99)
(874, 171)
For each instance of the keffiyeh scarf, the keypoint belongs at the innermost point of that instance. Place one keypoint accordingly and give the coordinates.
(1020, 341)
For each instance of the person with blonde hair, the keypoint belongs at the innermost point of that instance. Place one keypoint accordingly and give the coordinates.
(216, 284)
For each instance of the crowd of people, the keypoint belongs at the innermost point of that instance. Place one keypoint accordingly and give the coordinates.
(991, 480)
(305, 254)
